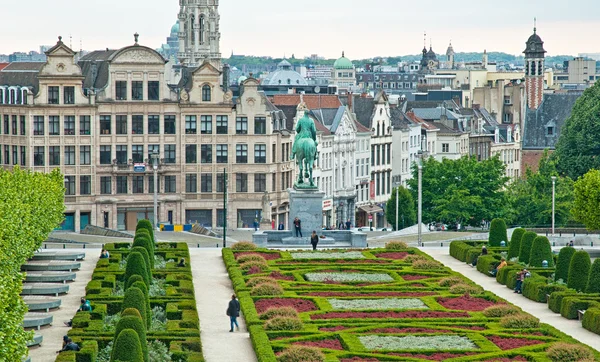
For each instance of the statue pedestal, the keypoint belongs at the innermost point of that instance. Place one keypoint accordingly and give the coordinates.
(307, 205)
(266, 225)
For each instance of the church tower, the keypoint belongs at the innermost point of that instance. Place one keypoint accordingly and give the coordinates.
(534, 70)
(199, 34)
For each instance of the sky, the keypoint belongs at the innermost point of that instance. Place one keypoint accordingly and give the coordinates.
(324, 27)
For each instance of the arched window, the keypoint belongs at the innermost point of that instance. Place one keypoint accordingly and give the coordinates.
(191, 28)
(2, 95)
(289, 81)
(378, 129)
(12, 98)
(24, 95)
(202, 29)
(206, 93)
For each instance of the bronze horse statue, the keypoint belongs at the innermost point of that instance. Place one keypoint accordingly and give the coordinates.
(304, 149)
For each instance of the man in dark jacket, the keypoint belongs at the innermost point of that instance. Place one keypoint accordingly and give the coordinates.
(233, 311)
(69, 345)
(298, 227)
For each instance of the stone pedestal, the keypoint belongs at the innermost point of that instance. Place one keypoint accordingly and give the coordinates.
(307, 205)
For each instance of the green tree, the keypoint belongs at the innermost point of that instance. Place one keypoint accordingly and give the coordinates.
(515, 243)
(457, 207)
(31, 206)
(406, 208)
(137, 265)
(141, 286)
(579, 143)
(144, 252)
(526, 242)
(587, 200)
(134, 298)
(147, 225)
(563, 263)
(127, 347)
(497, 232)
(540, 251)
(579, 271)
(593, 284)
(135, 323)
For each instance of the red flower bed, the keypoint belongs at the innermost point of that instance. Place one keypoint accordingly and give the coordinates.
(267, 256)
(473, 328)
(409, 330)
(512, 343)
(414, 277)
(516, 358)
(332, 329)
(277, 275)
(417, 285)
(393, 255)
(434, 356)
(373, 294)
(465, 302)
(301, 305)
(359, 359)
(254, 270)
(324, 343)
(408, 314)
(338, 261)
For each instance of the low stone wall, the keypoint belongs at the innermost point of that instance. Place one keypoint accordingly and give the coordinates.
(99, 231)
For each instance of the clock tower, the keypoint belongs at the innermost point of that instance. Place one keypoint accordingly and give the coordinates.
(199, 34)
(534, 70)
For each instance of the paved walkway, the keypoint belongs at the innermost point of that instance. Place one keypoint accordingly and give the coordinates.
(540, 310)
(70, 303)
(213, 293)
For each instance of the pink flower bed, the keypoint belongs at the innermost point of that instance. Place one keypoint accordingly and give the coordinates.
(409, 330)
(277, 275)
(465, 302)
(512, 343)
(393, 255)
(473, 328)
(373, 294)
(339, 261)
(324, 343)
(254, 270)
(407, 314)
(414, 277)
(517, 358)
(285, 337)
(267, 256)
(332, 329)
(301, 305)
(434, 356)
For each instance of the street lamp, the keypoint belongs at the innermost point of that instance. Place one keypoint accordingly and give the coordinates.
(553, 197)
(397, 185)
(155, 156)
(420, 201)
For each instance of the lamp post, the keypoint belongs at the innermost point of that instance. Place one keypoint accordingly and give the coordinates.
(225, 208)
(420, 201)
(553, 197)
(155, 156)
(397, 185)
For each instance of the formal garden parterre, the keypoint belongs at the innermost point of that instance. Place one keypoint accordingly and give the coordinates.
(323, 308)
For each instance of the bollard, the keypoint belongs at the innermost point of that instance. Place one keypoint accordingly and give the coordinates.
(84, 246)
(217, 245)
(546, 233)
(45, 246)
(367, 245)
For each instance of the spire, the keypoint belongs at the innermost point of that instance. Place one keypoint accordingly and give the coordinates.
(136, 36)
(343, 54)
(534, 25)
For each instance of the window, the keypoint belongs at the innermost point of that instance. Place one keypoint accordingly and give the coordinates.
(105, 185)
(39, 156)
(38, 125)
(137, 124)
(85, 185)
(121, 123)
(206, 93)
(550, 131)
(70, 185)
(69, 94)
(54, 125)
(137, 153)
(190, 125)
(22, 125)
(52, 95)
(69, 125)
(169, 126)
(137, 90)
(222, 124)
(220, 182)
(206, 182)
(121, 184)
(170, 184)
(14, 124)
(152, 149)
(191, 183)
(221, 153)
(260, 153)
(153, 124)
(241, 125)
(121, 155)
(191, 154)
(137, 184)
(389, 153)
(84, 125)
(378, 159)
(85, 155)
(260, 182)
(206, 154)
(105, 125)
(23, 156)
(445, 147)
(153, 90)
(273, 181)
(372, 155)
(260, 125)
(170, 154)
(6, 155)
(206, 124)
(105, 155)
(69, 155)
(151, 184)
(241, 153)
(241, 182)
(121, 90)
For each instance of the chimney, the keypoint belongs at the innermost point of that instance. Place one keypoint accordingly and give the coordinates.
(226, 76)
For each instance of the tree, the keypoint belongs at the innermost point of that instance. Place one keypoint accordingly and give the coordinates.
(497, 232)
(587, 199)
(540, 251)
(579, 271)
(406, 208)
(127, 347)
(515, 243)
(31, 206)
(563, 263)
(526, 242)
(593, 285)
(135, 323)
(134, 298)
(579, 143)
(137, 265)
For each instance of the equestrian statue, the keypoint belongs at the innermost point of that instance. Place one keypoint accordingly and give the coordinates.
(304, 150)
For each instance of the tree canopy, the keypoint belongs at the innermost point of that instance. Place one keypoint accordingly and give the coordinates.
(406, 208)
(587, 200)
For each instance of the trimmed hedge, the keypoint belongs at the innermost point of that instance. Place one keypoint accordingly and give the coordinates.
(536, 288)
(593, 285)
(579, 270)
(591, 319)
(144, 252)
(572, 304)
(127, 347)
(147, 225)
(141, 286)
(540, 251)
(526, 243)
(497, 232)
(556, 298)
(132, 279)
(562, 265)
(135, 323)
(134, 298)
(515, 243)
(144, 242)
(137, 265)
(486, 263)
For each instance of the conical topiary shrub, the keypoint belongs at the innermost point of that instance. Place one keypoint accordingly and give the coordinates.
(144, 289)
(497, 232)
(579, 271)
(593, 285)
(515, 243)
(132, 279)
(132, 312)
(143, 233)
(540, 251)
(147, 259)
(127, 347)
(134, 298)
(137, 265)
(563, 262)
(135, 323)
(145, 243)
(147, 225)
(525, 250)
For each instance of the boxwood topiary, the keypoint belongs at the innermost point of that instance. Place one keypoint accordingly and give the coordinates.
(135, 323)
(131, 312)
(149, 262)
(144, 242)
(132, 279)
(525, 250)
(593, 285)
(137, 265)
(515, 243)
(127, 347)
(146, 225)
(579, 270)
(591, 320)
(134, 298)
(144, 289)
(540, 251)
(497, 232)
(562, 265)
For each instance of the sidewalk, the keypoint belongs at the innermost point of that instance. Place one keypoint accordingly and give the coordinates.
(540, 310)
(213, 292)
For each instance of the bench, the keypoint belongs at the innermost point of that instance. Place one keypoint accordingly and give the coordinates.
(580, 314)
(36, 341)
(50, 277)
(44, 289)
(38, 302)
(37, 320)
(50, 265)
(56, 255)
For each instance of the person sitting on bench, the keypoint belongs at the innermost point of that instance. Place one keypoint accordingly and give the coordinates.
(500, 266)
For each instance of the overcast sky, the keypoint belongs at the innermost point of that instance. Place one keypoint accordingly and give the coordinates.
(325, 27)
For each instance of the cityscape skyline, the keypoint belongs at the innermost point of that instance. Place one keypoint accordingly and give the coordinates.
(500, 30)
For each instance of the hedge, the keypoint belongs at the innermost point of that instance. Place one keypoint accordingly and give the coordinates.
(579, 270)
(141, 286)
(137, 265)
(147, 225)
(536, 288)
(540, 251)
(497, 232)
(593, 285)
(134, 298)
(556, 298)
(144, 242)
(562, 265)
(525, 250)
(591, 319)
(459, 249)
(515, 243)
(135, 323)
(132, 279)
(572, 304)
(486, 263)
(127, 347)
(149, 263)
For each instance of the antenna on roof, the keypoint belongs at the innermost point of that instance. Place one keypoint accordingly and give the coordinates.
(71, 41)
(136, 36)
(425, 39)
(80, 45)
(534, 25)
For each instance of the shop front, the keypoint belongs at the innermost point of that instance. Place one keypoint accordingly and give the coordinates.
(327, 211)
(369, 215)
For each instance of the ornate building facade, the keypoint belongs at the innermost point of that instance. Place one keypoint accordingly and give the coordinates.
(199, 34)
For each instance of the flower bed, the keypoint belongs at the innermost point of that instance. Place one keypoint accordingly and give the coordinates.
(433, 356)
(410, 277)
(377, 304)
(409, 330)
(323, 343)
(393, 255)
(375, 294)
(512, 343)
(409, 314)
(465, 302)
(279, 276)
(348, 278)
(329, 255)
(393, 343)
(301, 305)
(267, 256)
(332, 329)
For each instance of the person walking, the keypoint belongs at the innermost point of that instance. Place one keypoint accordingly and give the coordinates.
(298, 227)
(233, 311)
(348, 224)
(314, 240)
